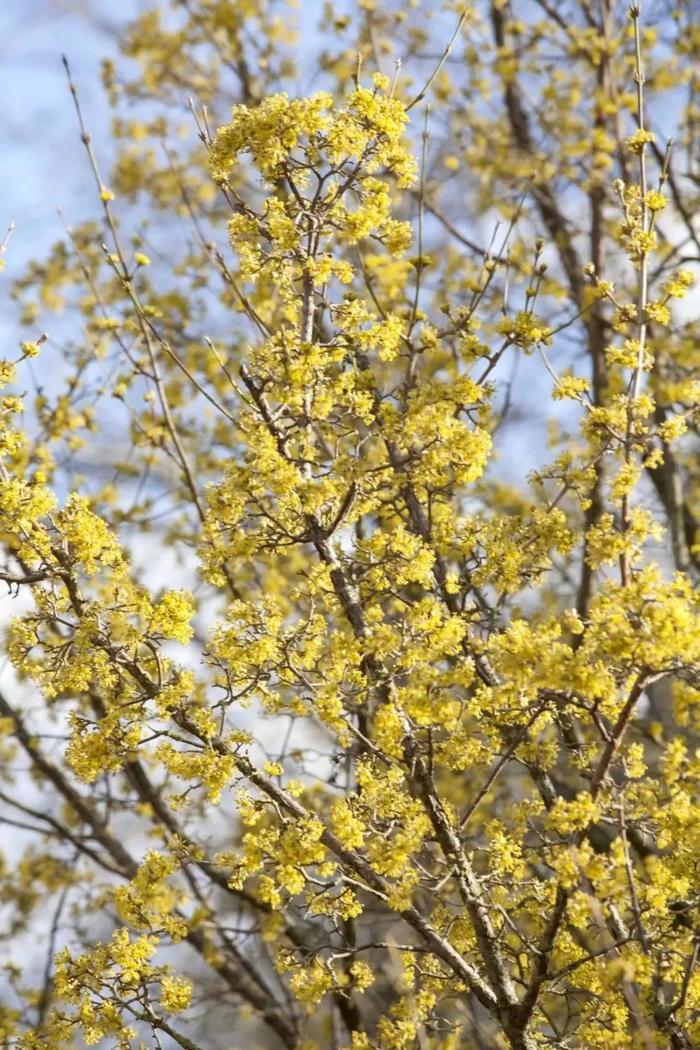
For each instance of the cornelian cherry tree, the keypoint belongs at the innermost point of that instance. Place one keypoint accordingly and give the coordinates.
(398, 748)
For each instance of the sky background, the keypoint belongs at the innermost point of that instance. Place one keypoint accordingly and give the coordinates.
(43, 164)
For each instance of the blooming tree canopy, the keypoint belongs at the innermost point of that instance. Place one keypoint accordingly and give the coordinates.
(397, 748)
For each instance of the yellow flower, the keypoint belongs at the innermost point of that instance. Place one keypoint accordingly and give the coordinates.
(175, 994)
(636, 142)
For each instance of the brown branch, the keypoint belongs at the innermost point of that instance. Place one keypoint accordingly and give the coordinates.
(355, 862)
(552, 217)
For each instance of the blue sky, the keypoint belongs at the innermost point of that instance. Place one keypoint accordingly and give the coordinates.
(43, 165)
